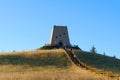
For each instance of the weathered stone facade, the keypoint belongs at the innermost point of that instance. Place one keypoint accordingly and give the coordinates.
(59, 36)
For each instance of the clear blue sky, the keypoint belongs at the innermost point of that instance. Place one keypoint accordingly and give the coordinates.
(27, 24)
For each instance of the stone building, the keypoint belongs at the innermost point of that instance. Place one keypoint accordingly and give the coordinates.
(59, 36)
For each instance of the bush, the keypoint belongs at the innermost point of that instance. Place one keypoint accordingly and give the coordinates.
(49, 47)
(57, 47)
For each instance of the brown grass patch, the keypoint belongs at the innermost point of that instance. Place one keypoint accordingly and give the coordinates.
(42, 65)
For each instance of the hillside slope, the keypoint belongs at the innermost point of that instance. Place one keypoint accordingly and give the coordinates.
(100, 61)
(39, 58)
(42, 65)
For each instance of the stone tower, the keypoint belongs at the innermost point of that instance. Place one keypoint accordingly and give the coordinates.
(59, 36)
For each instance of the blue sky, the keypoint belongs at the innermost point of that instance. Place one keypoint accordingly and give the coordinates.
(27, 24)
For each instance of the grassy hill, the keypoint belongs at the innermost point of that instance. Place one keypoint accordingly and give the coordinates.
(36, 58)
(42, 65)
(100, 61)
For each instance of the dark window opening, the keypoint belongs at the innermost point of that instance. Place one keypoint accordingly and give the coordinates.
(56, 37)
(60, 35)
(63, 33)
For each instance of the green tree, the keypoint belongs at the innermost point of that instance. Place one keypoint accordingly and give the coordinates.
(93, 50)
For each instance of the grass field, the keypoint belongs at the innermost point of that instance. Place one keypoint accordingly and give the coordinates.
(100, 61)
(42, 65)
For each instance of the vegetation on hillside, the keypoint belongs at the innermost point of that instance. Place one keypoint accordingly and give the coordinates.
(56, 58)
(42, 65)
(100, 61)
(48, 47)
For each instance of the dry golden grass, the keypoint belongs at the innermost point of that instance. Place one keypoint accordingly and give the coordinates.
(42, 65)
(51, 73)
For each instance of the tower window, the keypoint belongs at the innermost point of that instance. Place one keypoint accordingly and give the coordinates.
(63, 33)
(56, 37)
(60, 35)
